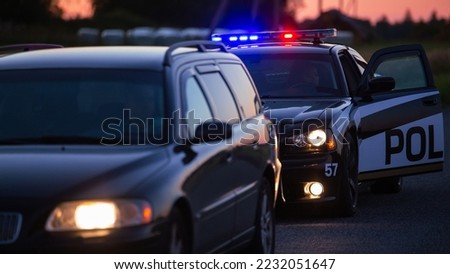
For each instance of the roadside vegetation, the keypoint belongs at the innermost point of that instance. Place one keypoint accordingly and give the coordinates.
(438, 54)
(440, 64)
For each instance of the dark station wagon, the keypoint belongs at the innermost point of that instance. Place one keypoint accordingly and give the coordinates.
(134, 149)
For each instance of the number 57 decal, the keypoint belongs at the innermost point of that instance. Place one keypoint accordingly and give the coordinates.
(331, 169)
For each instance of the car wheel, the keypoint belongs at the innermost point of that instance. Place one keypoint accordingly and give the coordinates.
(348, 196)
(388, 185)
(264, 238)
(178, 238)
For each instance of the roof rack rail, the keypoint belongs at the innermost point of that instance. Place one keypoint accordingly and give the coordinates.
(28, 47)
(201, 45)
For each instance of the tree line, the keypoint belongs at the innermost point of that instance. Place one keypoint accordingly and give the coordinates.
(177, 13)
(242, 14)
(436, 29)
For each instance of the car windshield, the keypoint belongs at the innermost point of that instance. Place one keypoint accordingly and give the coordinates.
(81, 106)
(292, 75)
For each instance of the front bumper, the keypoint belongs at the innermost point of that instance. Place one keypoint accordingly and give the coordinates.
(139, 239)
(299, 170)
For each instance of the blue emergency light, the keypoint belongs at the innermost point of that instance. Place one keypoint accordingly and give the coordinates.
(235, 39)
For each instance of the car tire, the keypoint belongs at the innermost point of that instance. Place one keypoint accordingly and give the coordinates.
(264, 238)
(388, 185)
(348, 195)
(178, 241)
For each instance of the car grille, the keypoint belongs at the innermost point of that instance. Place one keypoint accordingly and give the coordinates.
(10, 224)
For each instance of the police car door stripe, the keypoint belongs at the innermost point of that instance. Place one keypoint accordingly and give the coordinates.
(375, 107)
(392, 113)
(413, 144)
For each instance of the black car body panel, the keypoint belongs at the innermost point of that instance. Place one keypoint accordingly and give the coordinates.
(173, 183)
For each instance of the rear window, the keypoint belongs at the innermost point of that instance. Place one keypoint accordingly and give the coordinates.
(239, 80)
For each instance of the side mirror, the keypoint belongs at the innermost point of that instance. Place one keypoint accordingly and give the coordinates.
(380, 84)
(212, 131)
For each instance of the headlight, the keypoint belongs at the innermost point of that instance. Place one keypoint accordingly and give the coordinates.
(314, 139)
(98, 214)
(317, 137)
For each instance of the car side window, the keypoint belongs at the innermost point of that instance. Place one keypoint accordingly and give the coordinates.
(407, 70)
(352, 76)
(197, 108)
(243, 88)
(221, 97)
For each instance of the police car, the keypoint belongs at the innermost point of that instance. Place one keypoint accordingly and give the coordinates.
(343, 121)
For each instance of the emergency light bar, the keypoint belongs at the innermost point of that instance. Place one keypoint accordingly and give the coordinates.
(235, 39)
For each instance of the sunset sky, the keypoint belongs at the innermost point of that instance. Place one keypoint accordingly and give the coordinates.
(374, 9)
(75, 8)
(366, 9)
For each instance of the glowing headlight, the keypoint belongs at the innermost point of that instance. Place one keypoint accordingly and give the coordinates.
(96, 215)
(317, 137)
(89, 215)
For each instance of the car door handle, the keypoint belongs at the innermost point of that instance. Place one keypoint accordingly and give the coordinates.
(227, 158)
(430, 102)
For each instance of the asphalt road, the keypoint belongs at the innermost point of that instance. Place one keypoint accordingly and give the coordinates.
(416, 220)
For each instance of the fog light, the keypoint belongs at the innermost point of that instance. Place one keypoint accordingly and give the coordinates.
(314, 189)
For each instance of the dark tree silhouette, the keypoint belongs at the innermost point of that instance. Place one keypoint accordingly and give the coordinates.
(435, 29)
(256, 14)
(25, 11)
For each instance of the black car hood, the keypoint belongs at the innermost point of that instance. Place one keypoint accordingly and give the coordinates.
(297, 110)
(75, 172)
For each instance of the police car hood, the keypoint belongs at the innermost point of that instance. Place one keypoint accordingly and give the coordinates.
(297, 110)
(75, 172)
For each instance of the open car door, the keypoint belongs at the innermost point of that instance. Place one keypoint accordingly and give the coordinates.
(399, 109)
